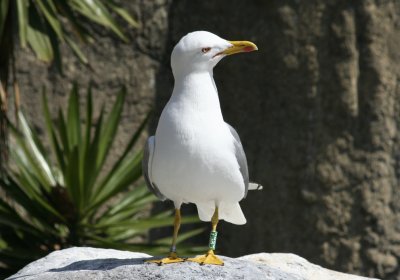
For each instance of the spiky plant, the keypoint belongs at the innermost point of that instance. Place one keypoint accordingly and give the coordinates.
(43, 26)
(51, 201)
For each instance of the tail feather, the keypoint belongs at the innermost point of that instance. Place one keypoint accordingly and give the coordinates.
(228, 211)
(232, 213)
(205, 210)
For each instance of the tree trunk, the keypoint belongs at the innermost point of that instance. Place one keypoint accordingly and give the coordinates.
(318, 111)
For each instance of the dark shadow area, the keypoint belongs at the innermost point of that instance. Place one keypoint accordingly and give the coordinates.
(100, 264)
(317, 111)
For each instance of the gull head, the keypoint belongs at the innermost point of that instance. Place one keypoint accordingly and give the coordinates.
(202, 50)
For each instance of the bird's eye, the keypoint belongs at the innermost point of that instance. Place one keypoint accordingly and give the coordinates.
(205, 50)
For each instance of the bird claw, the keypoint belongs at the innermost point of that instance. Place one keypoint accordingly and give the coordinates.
(172, 258)
(209, 258)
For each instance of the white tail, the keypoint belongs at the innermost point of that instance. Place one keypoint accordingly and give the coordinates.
(228, 211)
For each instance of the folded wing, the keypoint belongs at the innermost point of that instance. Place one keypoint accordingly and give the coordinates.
(241, 158)
(146, 167)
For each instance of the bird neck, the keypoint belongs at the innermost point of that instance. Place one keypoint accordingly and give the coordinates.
(198, 91)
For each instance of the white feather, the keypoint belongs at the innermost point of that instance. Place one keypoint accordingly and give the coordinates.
(194, 157)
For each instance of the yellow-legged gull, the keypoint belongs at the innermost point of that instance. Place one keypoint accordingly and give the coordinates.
(195, 156)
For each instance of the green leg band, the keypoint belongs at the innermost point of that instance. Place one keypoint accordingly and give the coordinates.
(213, 240)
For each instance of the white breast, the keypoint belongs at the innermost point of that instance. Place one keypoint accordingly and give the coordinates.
(194, 158)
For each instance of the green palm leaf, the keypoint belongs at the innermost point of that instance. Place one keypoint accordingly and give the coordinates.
(22, 9)
(44, 24)
(38, 36)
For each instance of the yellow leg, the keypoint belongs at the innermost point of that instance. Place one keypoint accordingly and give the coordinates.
(172, 256)
(210, 257)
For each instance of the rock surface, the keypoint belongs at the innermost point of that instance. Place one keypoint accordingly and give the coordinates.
(92, 263)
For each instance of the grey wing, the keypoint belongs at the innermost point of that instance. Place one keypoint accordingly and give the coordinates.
(241, 159)
(147, 165)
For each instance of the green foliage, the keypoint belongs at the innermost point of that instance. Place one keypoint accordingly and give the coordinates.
(44, 24)
(50, 201)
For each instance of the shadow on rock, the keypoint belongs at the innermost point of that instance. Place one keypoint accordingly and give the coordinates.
(100, 264)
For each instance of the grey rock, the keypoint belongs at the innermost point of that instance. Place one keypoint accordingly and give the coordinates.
(92, 263)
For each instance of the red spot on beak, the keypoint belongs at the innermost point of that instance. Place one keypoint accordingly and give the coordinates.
(248, 49)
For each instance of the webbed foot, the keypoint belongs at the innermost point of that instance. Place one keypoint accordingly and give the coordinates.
(208, 258)
(172, 258)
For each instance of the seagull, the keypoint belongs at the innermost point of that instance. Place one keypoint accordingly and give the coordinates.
(195, 156)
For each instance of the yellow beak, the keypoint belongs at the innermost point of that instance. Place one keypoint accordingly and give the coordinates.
(240, 46)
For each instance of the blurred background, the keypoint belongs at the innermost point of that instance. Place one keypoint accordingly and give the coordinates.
(317, 109)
